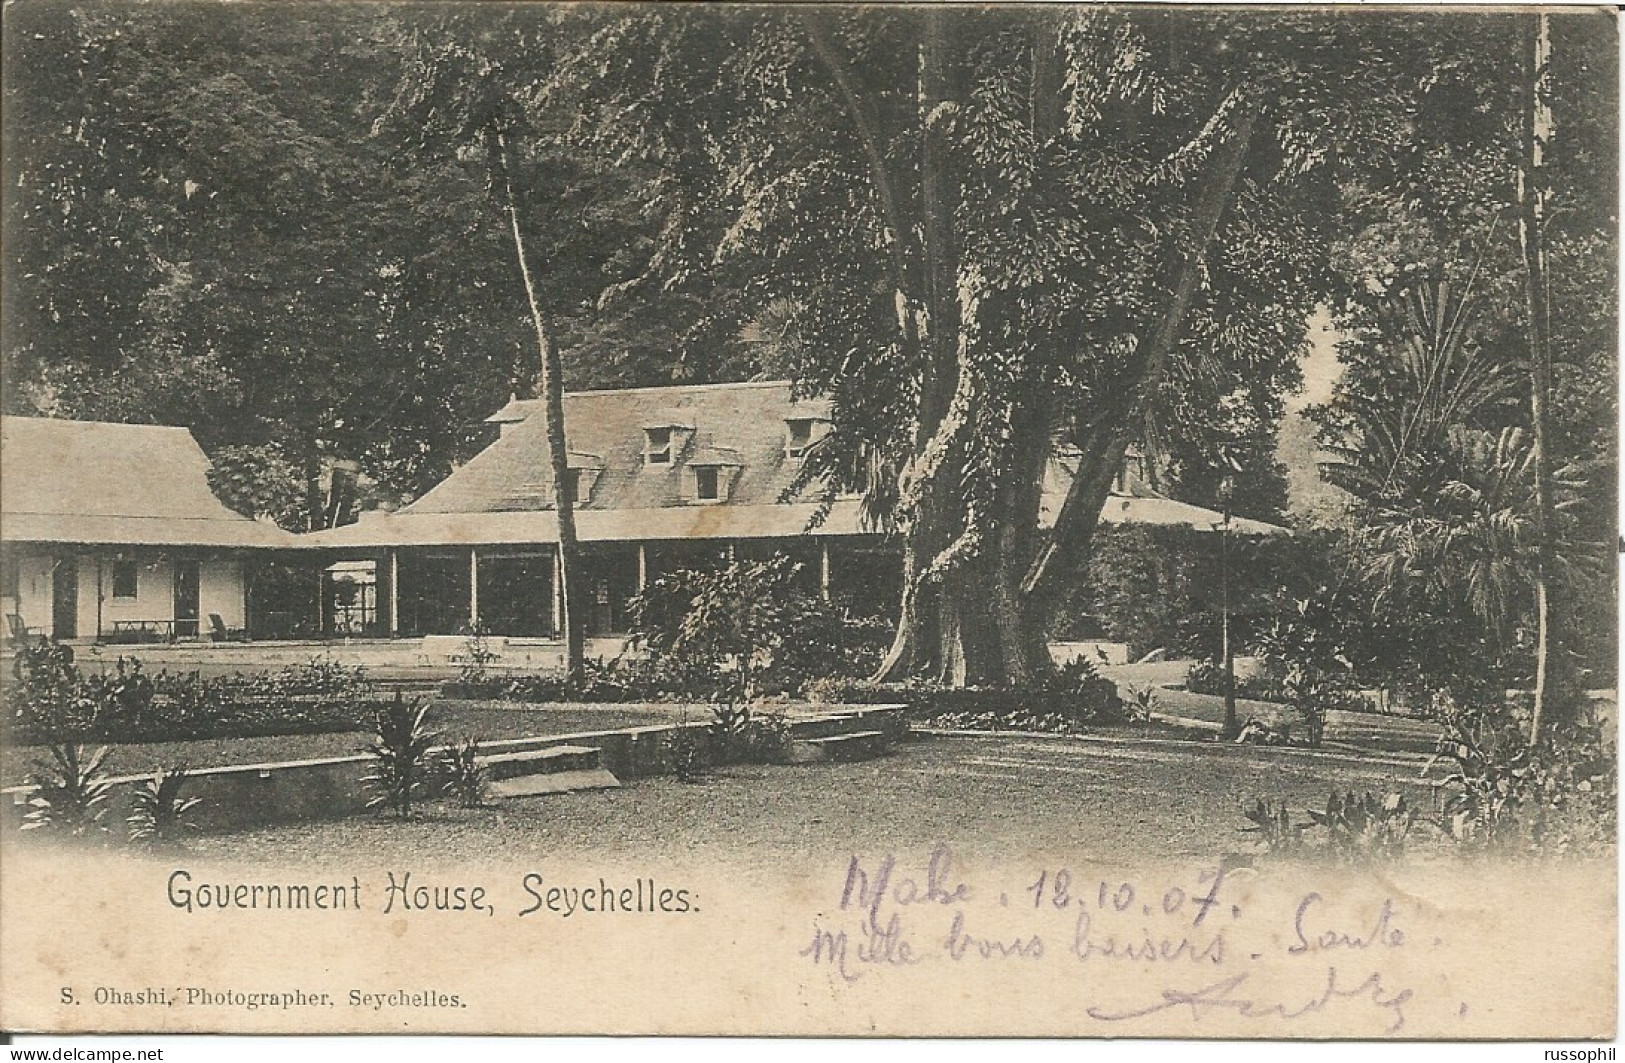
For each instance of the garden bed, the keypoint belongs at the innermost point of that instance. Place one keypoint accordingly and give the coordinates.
(486, 721)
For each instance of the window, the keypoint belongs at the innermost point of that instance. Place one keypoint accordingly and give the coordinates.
(800, 436)
(707, 483)
(124, 580)
(658, 448)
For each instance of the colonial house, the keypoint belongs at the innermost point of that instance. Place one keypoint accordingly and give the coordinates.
(110, 532)
(663, 478)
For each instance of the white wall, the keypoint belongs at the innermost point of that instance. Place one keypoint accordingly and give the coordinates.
(87, 595)
(220, 590)
(33, 602)
(154, 600)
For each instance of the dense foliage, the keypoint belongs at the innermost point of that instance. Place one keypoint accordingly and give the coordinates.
(748, 630)
(1000, 240)
(53, 701)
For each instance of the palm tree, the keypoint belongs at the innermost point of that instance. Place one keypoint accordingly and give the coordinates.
(1440, 379)
(1443, 499)
(1470, 545)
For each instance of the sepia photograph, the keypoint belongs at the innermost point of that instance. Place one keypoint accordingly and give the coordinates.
(809, 520)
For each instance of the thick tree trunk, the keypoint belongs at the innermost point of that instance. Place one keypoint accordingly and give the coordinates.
(932, 618)
(1537, 128)
(558, 454)
(916, 640)
(1020, 626)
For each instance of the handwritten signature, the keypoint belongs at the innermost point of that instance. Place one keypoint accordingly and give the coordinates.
(1224, 995)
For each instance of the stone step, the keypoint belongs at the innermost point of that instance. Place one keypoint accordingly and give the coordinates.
(858, 745)
(820, 727)
(556, 782)
(550, 760)
(842, 722)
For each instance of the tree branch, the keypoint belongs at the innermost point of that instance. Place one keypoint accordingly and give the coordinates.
(1080, 512)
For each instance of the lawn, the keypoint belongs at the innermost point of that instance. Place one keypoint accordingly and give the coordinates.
(1109, 798)
(485, 720)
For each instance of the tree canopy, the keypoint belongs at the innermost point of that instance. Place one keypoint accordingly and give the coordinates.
(995, 238)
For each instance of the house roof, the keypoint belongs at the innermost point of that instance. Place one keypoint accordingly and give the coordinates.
(1166, 512)
(519, 527)
(739, 424)
(503, 495)
(1139, 505)
(115, 484)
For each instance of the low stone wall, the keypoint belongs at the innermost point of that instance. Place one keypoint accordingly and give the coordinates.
(241, 796)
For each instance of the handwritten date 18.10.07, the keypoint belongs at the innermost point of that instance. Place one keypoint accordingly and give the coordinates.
(1056, 889)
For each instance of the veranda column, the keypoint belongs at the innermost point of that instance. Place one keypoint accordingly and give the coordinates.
(394, 592)
(473, 587)
(643, 567)
(823, 569)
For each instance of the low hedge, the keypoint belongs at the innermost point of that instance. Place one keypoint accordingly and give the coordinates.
(1073, 698)
(600, 681)
(52, 701)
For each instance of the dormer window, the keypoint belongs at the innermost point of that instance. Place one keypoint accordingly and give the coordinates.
(715, 471)
(798, 436)
(657, 446)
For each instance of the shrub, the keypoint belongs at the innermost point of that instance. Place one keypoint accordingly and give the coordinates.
(837, 690)
(1159, 587)
(748, 630)
(477, 654)
(1068, 701)
(157, 810)
(1365, 828)
(615, 680)
(763, 738)
(1303, 667)
(1307, 668)
(1206, 676)
(1312, 695)
(1352, 828)
(687, 753)
(47, 701)
(400, 752)
(461, 774)
(1274, 827)
(895, 726)
(1005, 719)
(52, 702)
(71, 792)
(1079, 692)
(1559, 797)
(1140, 705)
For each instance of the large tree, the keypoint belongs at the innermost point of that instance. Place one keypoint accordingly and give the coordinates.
(1004, 235)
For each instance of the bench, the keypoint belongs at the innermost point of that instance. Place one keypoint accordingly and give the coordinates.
(135, 631)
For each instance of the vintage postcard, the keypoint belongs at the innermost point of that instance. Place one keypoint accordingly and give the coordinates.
(889, 519)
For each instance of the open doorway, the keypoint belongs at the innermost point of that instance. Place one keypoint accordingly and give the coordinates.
(65, 598)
